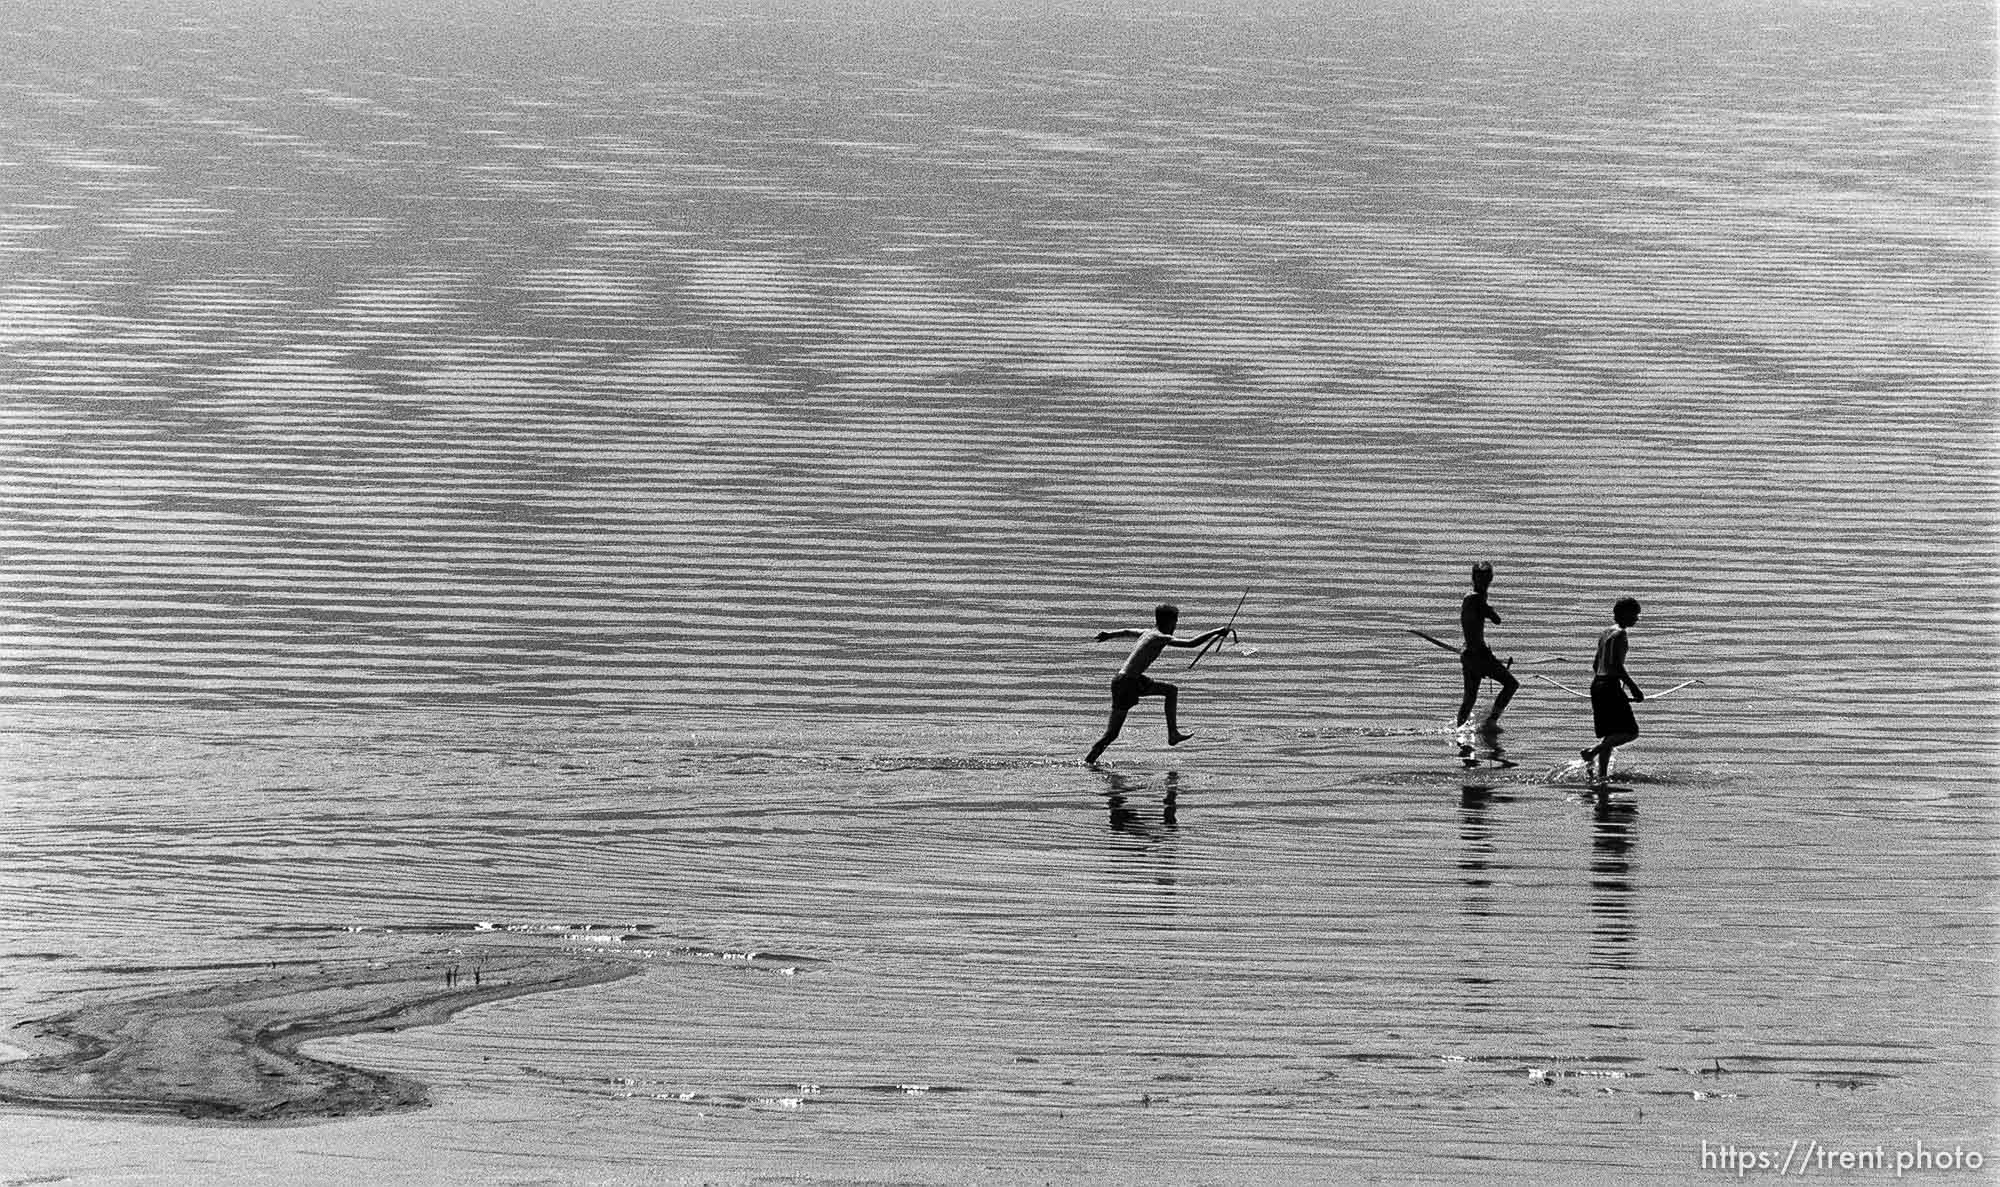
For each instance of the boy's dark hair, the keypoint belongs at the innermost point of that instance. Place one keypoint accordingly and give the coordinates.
(1165, 615)
(1485, 567)
(1625, 610)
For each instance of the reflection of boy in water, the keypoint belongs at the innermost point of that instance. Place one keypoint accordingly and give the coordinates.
(1131, 683)
(1479, 663)
(1610, 713)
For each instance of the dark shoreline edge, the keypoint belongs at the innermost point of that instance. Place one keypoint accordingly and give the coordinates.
(229, 1051)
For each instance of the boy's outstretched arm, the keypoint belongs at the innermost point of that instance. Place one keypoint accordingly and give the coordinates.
(1126, 633)
(1201, 639)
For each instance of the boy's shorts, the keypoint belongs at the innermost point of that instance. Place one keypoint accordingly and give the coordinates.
(1126, 690)
(1610, 712)
(1481, 663)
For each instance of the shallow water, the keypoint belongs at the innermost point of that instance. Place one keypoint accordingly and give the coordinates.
(648, 481)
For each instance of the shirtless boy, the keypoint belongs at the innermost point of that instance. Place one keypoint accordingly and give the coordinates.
(1131, 683)
(1479, 662)
(1610, 713)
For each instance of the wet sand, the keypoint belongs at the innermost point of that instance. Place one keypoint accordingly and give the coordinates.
(230, 1051)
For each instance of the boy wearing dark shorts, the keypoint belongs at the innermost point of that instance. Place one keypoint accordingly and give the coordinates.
(1131, 684)
(1610, 711)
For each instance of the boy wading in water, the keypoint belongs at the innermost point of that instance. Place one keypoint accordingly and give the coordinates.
(1477, 660)
(1131, 683)
(1610, 713)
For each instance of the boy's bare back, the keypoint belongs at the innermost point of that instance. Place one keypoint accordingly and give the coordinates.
(1151, 643)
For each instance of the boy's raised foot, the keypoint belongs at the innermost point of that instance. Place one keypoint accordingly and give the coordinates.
(1177, 739)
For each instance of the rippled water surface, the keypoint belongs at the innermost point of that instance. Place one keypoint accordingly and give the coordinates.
(645, 478)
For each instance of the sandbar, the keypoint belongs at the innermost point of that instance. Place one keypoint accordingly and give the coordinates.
(229, 1051)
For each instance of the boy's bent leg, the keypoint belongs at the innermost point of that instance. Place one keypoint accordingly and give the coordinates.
(1508, 687)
